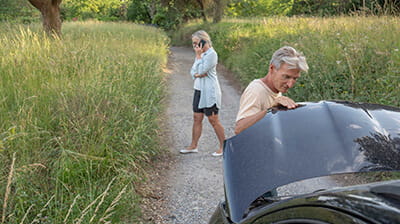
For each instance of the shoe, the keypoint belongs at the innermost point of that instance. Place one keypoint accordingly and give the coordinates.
(216, 154)
(185, 151)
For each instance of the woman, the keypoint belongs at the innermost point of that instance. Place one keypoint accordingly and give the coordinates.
(207, 92)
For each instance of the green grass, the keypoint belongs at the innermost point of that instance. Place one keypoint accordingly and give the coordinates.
(350, 58)
(80, 117)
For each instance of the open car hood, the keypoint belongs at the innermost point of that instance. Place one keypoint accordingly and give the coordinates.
(313, 140)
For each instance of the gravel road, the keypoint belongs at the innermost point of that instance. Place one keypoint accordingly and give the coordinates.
(190, 186)
(196, 183)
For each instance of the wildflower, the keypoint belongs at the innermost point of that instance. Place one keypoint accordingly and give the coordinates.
(396, 49)
(338, 62)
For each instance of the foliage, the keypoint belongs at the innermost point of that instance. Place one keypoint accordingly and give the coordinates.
(337, 7)
(79, 116)
(350, 58)
(247, 8)
(140, 11)
(167, 14)
(19, 11)
(105, 10)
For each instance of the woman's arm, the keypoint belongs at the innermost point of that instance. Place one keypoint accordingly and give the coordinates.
(206, 63)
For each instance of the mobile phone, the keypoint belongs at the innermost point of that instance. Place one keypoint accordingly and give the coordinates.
(202, 43)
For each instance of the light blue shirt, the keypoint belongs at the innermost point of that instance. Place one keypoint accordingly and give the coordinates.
(208, 85)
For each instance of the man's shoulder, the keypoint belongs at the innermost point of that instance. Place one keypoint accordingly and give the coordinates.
(255, 85)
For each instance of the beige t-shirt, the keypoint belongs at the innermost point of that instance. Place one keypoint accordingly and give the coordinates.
(255, 98)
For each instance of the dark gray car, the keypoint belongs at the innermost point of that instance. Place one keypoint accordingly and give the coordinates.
(343, 141)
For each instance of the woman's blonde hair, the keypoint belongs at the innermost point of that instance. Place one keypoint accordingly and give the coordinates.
(202, 35)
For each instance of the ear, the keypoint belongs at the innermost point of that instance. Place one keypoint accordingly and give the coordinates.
(271, 67)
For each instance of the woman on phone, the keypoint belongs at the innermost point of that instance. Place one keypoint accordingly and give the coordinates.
(207, 92)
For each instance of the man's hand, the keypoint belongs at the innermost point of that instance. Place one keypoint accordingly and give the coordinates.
(286, 102)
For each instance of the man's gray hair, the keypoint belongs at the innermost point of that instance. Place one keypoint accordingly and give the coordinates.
(202, 35)
(290, 56)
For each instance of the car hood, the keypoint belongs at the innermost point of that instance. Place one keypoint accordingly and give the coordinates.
(313, 140)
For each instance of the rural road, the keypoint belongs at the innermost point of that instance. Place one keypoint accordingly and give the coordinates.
(189, 187)
(197, 178)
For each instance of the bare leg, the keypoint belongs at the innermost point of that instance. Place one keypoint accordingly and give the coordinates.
(196, 130)
(219, 130)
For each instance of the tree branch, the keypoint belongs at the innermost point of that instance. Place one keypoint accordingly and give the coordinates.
(37, 4)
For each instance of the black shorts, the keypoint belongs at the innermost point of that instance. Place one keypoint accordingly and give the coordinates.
(208, 111)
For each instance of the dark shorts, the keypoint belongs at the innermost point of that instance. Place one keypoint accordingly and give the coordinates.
(208, 111)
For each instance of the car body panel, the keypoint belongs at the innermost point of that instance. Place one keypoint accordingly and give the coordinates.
(316, 139)
(365, 203)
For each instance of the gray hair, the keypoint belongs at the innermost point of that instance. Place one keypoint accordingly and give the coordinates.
(202, 35)
(290, 56)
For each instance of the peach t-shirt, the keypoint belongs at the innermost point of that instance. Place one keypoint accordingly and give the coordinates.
(255, 98)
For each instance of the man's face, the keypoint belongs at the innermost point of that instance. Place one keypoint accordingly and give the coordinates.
(284, 78)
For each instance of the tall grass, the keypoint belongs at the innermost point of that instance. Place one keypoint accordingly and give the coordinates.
(80, 113)
(351, 58)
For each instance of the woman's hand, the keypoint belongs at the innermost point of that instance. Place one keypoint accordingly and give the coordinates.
(198, 51)
(200, 76)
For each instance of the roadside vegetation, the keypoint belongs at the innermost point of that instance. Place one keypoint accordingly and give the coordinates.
(350, 57)
(78, 120)
(79, 111)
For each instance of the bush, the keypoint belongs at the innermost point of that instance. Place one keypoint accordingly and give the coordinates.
(19, 11)
(103, 10)
(138, 12)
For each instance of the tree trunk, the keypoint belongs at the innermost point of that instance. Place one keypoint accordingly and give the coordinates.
(50, 10)
(202, 10)
(219, 10)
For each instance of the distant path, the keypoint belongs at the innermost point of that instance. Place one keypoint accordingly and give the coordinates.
(196, 182)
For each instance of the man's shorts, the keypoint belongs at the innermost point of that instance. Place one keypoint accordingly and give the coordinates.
(208, 111)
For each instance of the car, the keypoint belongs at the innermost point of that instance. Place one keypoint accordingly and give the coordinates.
(342, 157)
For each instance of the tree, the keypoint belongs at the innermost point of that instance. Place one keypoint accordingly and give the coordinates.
(202, 10)
(219, 10)
(50, 10)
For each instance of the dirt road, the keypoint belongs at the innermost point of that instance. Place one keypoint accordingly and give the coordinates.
(195, 183)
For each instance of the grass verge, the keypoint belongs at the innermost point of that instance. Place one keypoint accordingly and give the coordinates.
(79, 120)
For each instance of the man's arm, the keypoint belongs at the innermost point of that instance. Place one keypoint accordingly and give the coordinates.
(246, 122)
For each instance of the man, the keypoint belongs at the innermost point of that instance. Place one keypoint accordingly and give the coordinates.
(261, 94)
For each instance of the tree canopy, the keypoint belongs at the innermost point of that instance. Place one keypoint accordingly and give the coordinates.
(170, 14)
